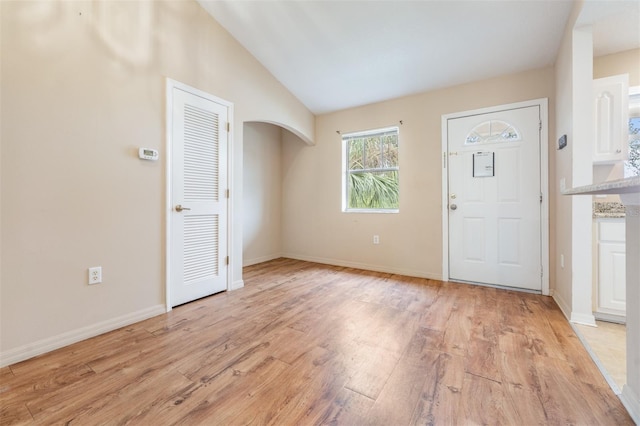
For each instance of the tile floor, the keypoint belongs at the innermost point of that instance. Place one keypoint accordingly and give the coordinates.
(608, 342)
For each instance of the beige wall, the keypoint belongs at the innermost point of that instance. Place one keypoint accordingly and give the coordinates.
(315, 228)
(83, 86)
(561, 215)
(627, 62)
(262, 193)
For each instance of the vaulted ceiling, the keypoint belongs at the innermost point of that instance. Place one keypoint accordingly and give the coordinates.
(338, 54)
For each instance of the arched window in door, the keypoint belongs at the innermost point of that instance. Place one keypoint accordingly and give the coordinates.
(492, 131)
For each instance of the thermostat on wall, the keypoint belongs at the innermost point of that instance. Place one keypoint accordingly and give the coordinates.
(148, 154)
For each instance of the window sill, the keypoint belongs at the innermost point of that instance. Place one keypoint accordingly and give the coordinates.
(383, 211)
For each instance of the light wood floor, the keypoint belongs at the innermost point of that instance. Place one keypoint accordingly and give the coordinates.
(306, 344)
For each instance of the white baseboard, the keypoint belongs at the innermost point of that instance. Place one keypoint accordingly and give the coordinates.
(249, 262)
(564, 307)
(237, 284)
(586, 319)
(365, 266)
(51, 343)
(618, 319)
(631, 402)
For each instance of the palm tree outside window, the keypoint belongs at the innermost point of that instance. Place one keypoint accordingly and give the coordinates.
(371, 172)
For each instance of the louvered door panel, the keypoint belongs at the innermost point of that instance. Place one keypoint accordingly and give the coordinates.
(200, 154)
(200, 184)
(198, 179)
(200, 247)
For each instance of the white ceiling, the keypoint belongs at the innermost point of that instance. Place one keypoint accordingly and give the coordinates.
(334, 55)
(616, 25)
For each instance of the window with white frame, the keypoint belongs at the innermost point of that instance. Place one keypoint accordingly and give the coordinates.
(370, 171)
(632, 165)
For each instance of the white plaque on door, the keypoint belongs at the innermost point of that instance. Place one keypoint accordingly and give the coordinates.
(483, 164)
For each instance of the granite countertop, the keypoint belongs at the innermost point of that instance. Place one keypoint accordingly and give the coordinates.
(621, 186)
(608, 210)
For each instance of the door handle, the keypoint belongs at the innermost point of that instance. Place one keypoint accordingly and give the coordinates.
(179, 208)
(453, 206)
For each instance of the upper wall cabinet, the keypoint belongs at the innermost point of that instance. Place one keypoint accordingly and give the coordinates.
(611, 103)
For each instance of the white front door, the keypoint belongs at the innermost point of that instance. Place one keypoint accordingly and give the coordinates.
(198, 217)
(495, 198)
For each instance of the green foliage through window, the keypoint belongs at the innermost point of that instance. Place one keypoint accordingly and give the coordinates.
(372, 170)
(632, 166)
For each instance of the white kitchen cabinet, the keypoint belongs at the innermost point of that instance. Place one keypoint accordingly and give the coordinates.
(611, 119)
(611, 282)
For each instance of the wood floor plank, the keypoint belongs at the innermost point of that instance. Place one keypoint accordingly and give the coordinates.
(437, 316)
(544, 338)
(120, 351)
(27, 388)
(442, 391)
(310, 344)
(224, 397)
(311, 401)
(347, 408)
(79, 354)
(522, 406)
(13, 409)
(125, 403)
(559, 389)
(387, 326)
(483, 359)
(516, 362)
(424, 294)
(286, 399)
(481, 401)
(459, 325)
(515, 312)
(369, 369)
(15, 414)
(419, 367)
(399, 397)
(488, 323)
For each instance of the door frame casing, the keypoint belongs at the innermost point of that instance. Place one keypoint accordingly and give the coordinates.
(542, 103)
(169, 86)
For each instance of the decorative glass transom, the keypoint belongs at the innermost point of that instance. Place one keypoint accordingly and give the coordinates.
(492, 131)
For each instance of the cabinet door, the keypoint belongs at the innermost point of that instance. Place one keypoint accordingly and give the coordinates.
(611, 278)
(611, 118)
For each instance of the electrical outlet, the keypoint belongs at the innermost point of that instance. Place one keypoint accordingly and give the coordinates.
(562, 261)
(376, 239)
(95, 275)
